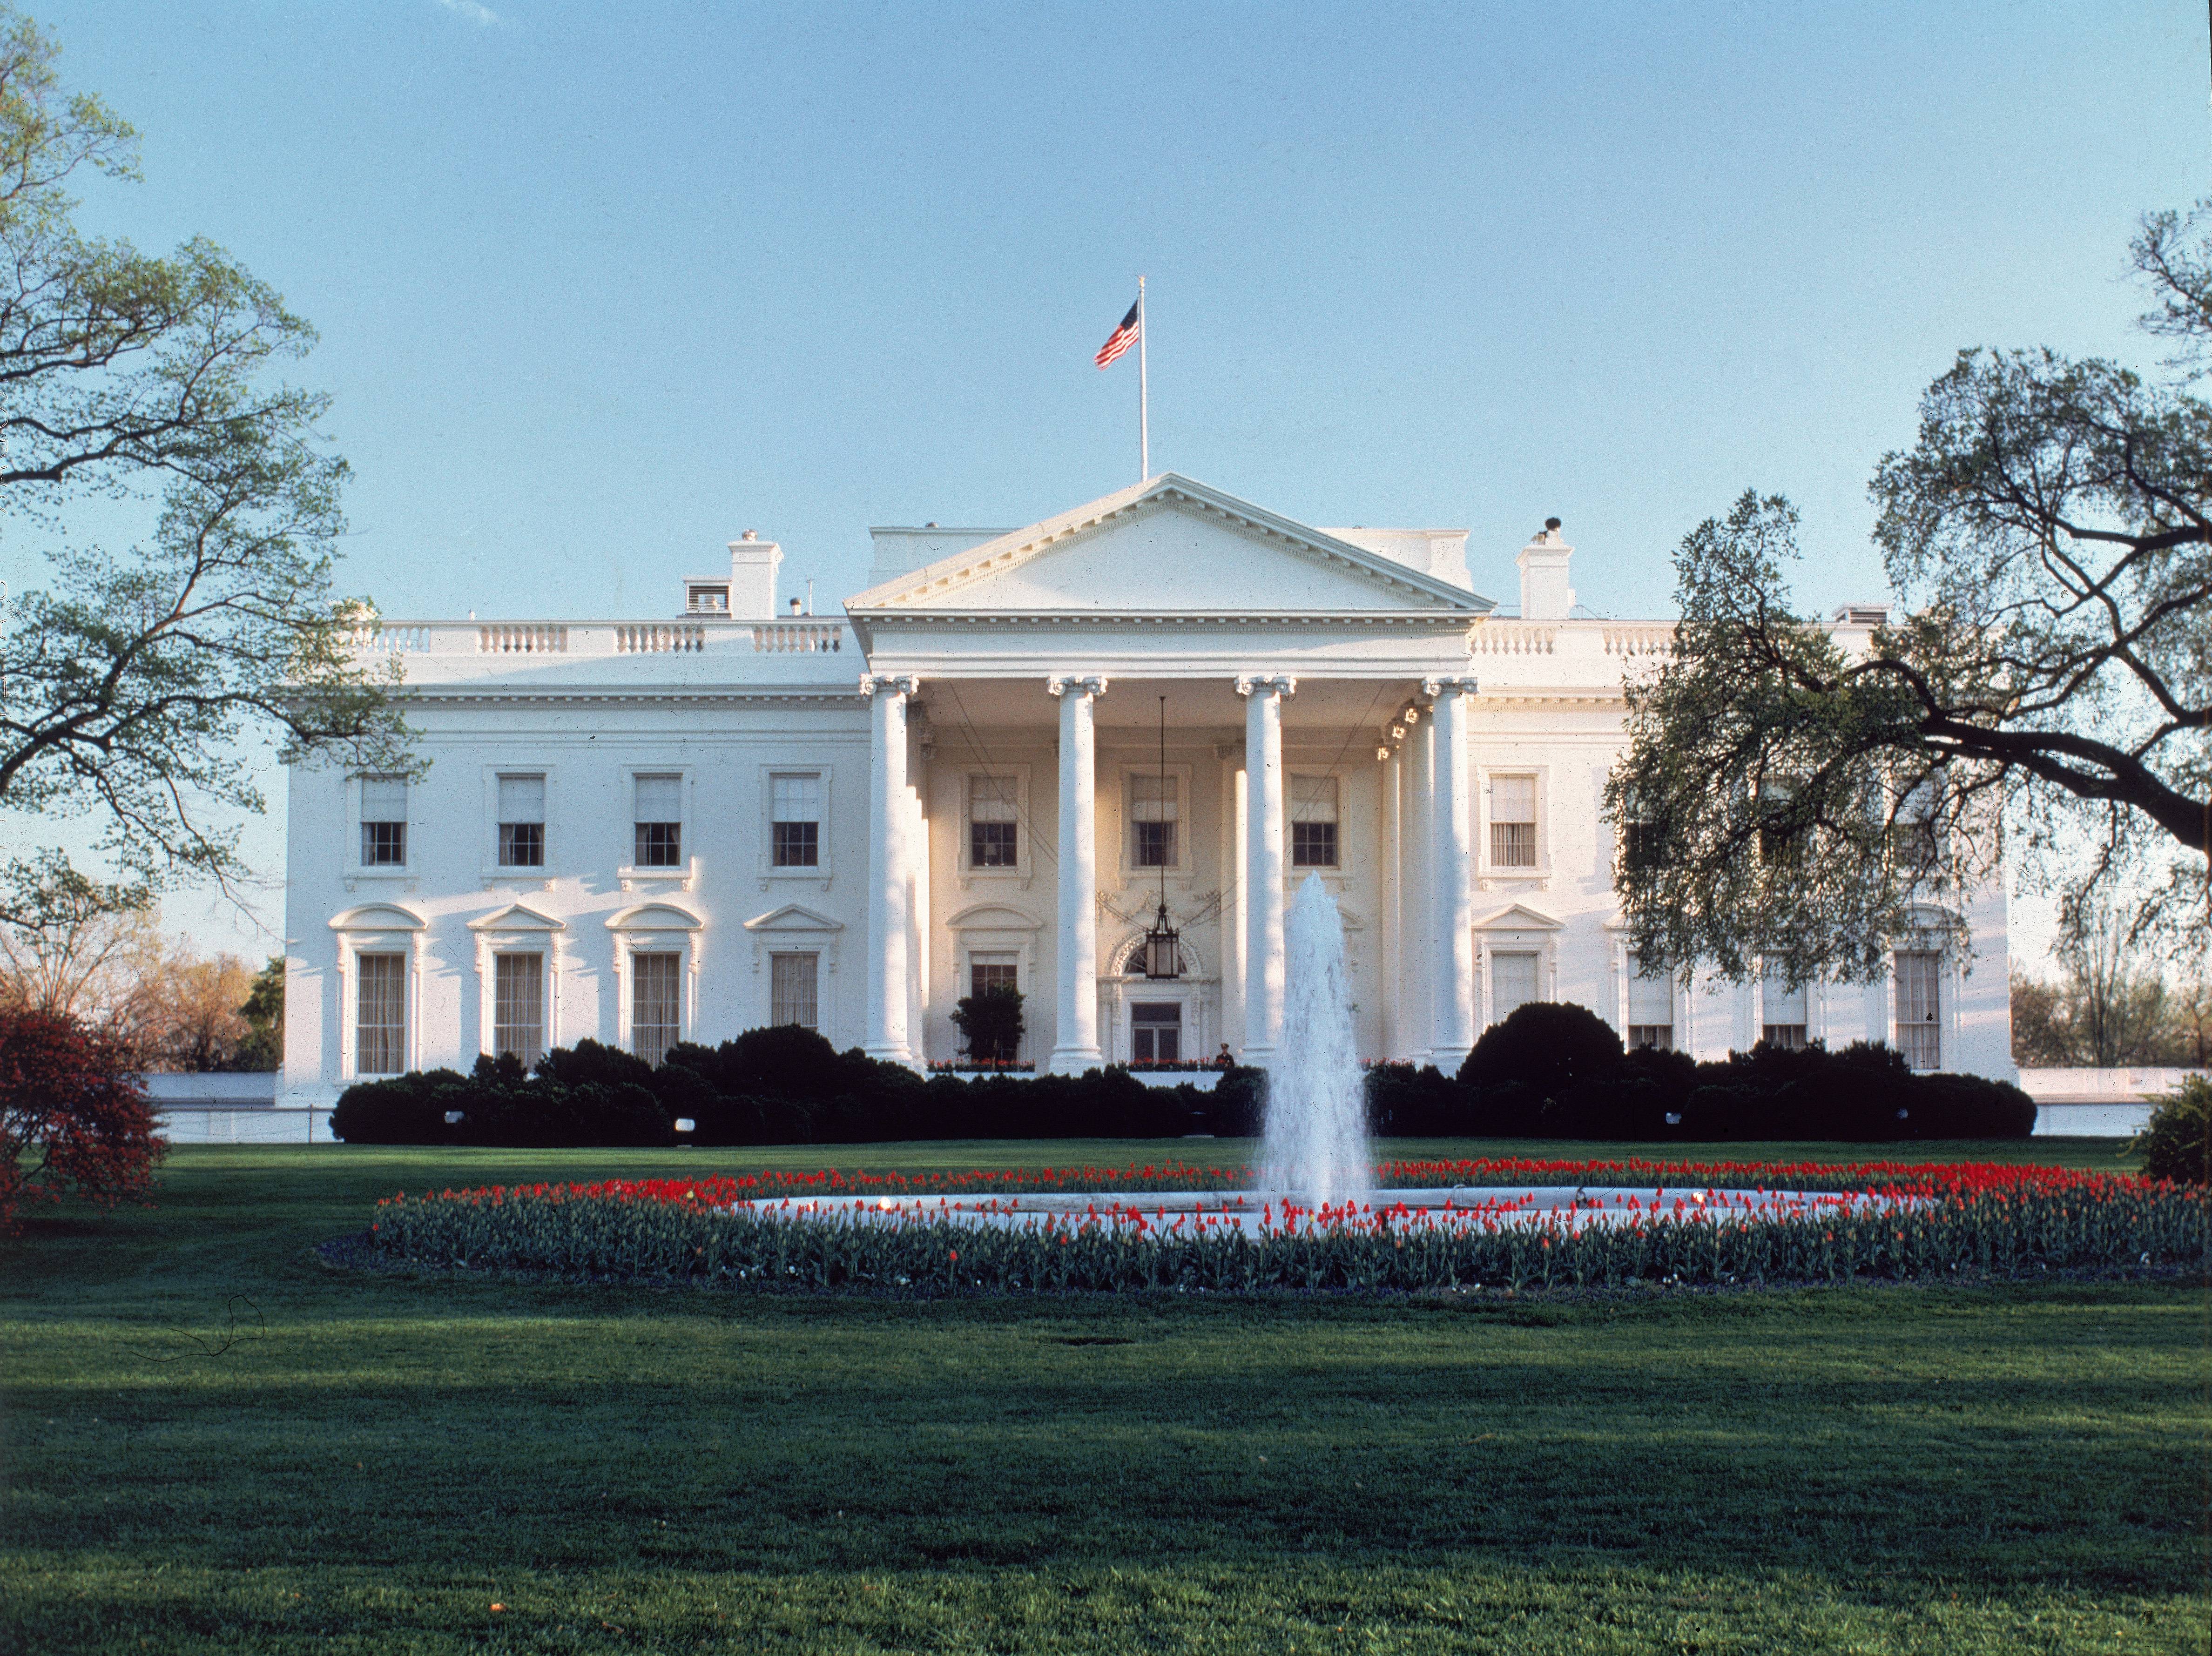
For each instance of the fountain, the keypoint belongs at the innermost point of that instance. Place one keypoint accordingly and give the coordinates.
(1316, 1145)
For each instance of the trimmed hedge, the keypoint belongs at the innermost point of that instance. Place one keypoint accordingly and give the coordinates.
(776, 1086)
(1556, 1071)
(2176, 1143)
(1548, 1071)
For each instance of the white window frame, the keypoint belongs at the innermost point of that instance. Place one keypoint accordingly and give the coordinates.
(379, 929)
(629, 874)
(516, 928)
(356, 869)
(1948, 984)
(826, 839)
(656, 928)
(1020, 870)
(1486, 869)
(496, 872)
(1125, 820)
(1510, 939)
(793, 928)
(795, 948)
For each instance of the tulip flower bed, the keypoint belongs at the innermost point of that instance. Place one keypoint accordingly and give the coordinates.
(1916, 1224)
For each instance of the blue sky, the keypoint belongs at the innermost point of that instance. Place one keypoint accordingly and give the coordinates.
(601, 286)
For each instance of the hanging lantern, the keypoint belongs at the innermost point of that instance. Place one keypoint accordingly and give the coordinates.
(1162, 948)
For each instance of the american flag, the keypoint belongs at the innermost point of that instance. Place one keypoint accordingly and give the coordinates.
(1124, 337)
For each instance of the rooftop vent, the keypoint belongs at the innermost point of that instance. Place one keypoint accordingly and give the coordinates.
(1861, 615)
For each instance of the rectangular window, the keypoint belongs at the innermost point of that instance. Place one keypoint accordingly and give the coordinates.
(791, 991)
(1915, 841)
(1919, 1008)
(1781, 1010)
(989, 972)
(1513, 822)
(1155, 1033)
(1512, 983)
(656, 983)
(380, 1015)
(383, 821)
(518, 1006)
(1312, 822)
(991, 821)
(795, 823)
(522, 822)
(1651, 1007)
(1152, 821)
(659, 821)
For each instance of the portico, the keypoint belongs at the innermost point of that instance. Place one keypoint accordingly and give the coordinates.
(1033, 673)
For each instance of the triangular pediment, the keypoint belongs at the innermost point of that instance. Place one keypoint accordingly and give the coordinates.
(1168, 546)
(517, 916)
(793, 916)
(1518, 917)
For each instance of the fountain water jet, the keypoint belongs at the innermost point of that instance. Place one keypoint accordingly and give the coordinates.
(1315, 1142)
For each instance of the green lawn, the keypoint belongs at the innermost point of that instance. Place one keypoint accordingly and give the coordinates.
(372, 1462)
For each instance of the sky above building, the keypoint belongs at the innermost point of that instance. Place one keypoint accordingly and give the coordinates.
(601, 286)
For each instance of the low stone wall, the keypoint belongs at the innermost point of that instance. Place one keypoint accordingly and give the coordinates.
(233, 1109)
(2095, 1103)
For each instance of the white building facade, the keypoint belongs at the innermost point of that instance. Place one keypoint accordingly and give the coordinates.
(1014, 746)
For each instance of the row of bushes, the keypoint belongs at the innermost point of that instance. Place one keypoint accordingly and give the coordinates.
(2120, 1227)
(1548, 1071)
(1558, 1071)
(778, 1086)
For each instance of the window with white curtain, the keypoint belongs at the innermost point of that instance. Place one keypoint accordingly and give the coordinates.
(1920, 1007)
(379, 1015)
(1312, 822)
(522, 822)
(518, 1006)
(793, 980)
(1512, 982)
(1651, 1007)
(1513, 822)
(655, 1020)
(383, 821)
(658, 820)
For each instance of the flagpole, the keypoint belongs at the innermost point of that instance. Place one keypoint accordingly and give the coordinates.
(1144, 394)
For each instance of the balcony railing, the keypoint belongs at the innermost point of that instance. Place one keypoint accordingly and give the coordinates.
(784, 638)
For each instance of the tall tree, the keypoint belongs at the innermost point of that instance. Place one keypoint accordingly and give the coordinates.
(129, 686)
(1789, 799)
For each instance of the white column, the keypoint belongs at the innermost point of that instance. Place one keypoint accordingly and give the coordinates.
(1232, 901)
(887, 874)
(1392, 922)
(1263, 864)
(1418, 936)
(1075, 1025)
(917, 927)
(1452, 856)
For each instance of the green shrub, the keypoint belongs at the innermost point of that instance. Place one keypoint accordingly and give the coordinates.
(2176, 1143)
(1547, 1045)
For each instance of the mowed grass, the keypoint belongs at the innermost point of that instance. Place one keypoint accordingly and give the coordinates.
(358, 1463)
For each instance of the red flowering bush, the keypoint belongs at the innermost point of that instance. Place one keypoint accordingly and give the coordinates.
(73, 1118)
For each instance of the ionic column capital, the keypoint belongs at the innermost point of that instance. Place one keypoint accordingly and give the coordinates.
(1456, 684)
(1071, 684)
(1278, 684)
(875, 684)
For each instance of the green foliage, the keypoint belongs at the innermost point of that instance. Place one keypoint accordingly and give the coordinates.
(2176, 1143)
(262, 1049)
(991, 1023)
(1547, 1046)
(128, 685)
(1816, 804)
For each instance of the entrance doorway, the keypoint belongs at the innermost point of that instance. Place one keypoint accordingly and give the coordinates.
(1156, 1032)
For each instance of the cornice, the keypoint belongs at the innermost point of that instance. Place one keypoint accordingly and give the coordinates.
(1436, 619)
(721, 697)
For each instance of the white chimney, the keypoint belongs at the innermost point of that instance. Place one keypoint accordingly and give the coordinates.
(1545, 594)
(753, 564)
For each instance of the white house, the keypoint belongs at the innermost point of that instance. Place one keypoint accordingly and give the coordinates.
(643, 831)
